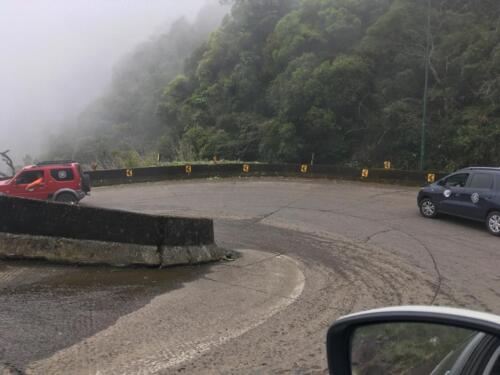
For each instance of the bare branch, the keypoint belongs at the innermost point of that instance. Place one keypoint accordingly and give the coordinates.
(7, 160)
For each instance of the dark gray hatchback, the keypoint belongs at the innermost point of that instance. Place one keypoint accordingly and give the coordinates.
(471, 193)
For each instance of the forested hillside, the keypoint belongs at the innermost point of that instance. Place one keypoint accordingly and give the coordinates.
(343, 79)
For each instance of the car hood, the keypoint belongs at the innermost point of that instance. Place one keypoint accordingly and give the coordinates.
(4, 183)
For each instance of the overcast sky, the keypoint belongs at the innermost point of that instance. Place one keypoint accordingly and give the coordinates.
(56, 56)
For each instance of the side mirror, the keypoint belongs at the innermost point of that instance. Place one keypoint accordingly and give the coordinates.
(415, 340)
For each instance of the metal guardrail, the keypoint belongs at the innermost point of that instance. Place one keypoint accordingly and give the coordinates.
(188, 171)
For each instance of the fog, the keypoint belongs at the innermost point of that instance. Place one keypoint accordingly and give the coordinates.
(56, 56)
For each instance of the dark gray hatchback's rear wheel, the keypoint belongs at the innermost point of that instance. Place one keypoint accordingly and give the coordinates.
(428, 208)
(493, 223)
(67, 198)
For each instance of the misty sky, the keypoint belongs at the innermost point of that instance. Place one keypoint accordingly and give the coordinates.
(56, 56)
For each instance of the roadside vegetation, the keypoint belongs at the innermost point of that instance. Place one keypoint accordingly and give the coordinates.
(280, 80)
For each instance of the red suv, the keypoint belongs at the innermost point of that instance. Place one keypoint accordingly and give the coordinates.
(61, 181)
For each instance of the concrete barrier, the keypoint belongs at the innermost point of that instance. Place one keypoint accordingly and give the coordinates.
(124, 176)
(31, 229)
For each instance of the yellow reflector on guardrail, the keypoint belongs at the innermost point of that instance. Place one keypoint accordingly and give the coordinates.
(365, 173)
(129, 173)
(431, 178)
(189, 169)
(246, 168)
(304, 168)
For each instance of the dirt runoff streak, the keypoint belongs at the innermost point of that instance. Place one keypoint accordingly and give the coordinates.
(184, 324)
(202, 348)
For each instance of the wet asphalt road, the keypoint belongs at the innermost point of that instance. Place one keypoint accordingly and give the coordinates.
(358, 246)
(459, 255)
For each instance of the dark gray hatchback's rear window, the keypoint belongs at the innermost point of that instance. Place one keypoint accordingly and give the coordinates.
(482, 181)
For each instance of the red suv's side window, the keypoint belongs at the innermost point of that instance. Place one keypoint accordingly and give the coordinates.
(28, 177)
(65, 174)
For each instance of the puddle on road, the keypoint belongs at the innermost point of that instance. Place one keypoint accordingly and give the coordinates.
(46, 308)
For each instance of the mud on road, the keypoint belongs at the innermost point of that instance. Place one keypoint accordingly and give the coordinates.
(357, 246)
(47, 308)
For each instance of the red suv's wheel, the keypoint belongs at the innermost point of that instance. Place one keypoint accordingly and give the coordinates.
(67, 198)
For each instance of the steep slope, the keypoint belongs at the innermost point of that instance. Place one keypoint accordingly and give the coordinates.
(343, 79)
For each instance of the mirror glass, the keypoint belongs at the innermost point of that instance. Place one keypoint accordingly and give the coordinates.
(419, 349)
